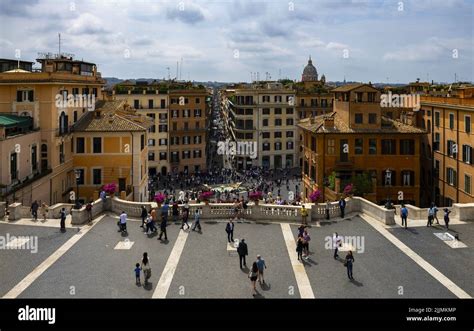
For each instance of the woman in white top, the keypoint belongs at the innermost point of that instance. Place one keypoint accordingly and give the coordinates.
(146, 267)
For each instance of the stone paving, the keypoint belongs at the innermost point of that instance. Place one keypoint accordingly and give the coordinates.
(93, 266)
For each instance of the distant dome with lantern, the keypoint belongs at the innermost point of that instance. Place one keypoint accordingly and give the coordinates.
(310, 74)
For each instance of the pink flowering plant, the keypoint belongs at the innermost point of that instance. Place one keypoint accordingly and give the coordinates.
(315, 195)
(159, 197)
(206, 195)
(110, 188)
(256, 195)
(348, 189)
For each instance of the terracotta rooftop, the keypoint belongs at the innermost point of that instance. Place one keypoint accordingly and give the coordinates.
(350, 87)
(389, 126)
(109, 119)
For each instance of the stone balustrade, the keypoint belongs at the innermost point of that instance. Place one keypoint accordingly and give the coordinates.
(2, 209)
(463, 212)
(261, 212)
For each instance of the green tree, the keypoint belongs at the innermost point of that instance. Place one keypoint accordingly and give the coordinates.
(362, 184)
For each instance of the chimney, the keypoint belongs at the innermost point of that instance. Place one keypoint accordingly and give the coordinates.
(329, 122)
(312, 119)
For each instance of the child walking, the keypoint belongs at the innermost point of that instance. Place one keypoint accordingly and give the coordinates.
(137, 273)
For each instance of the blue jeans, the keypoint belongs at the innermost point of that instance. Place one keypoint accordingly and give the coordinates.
(349, 270)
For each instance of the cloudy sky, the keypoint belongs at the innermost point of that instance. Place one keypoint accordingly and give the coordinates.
(226, 40)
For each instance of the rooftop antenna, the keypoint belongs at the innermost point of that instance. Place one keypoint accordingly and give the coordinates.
(455, 77)
(177, 69)
(279, 74)
(169, 78)
(180, 69)
(59, 37)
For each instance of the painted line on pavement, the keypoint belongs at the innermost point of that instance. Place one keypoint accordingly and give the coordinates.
(435, 273)
(50, 260)
(167, 275)
(302, 280)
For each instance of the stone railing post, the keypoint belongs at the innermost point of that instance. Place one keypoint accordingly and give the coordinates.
(206, 211)
(2, 209)
(14, 211)
(256, 213)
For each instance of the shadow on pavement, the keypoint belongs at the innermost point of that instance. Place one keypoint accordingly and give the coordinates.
(148, 286)
(356, 283)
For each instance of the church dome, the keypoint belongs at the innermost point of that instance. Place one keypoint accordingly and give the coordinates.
(310, 74)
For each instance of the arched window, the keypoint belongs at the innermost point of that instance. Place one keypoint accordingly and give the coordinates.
(63, 126)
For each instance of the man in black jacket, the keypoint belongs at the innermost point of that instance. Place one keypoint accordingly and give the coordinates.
(242, 250)
(230, 231)
(163, 227)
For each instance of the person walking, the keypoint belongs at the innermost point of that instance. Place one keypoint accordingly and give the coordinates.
(306, 240)
(175, 212)
(197, 220)
(62, 215)
(253, 274)
(304, 215)
(34, 210)
(163, 226)
(299, 248)
(435, 212)
(430, 216)
(337, 242)
(342, 206)
(261, 266)
(243, 251)
(150, 225)
(185, 217)
(328, 206)
(137, 273)
(404, 215)
(164, 210)
(103, 195)
(348, 264)
(122, 223)
(89, 210)
(144, 215)
(446, 217)
(301, 229)
(146, 267)
(229, 228)
(44, 211)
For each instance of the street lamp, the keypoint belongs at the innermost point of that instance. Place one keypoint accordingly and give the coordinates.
(77, 172)
(388, 181)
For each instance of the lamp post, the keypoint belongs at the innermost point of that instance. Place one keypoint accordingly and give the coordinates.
(77, 173)
(388, 179)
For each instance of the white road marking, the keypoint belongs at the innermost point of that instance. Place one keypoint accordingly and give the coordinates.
(126, 244)
(435, 273)
(50, 260)
(164, 283)
(302, 279)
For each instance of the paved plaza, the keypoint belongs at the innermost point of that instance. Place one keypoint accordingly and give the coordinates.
(96, 261)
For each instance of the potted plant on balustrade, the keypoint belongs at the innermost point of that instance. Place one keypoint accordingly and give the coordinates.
(315, 196)
(159, 198)
(110, 189)
(348, 190)
(256, 196)
(206, 196)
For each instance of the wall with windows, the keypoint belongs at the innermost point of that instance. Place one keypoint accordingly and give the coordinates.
(452, 141)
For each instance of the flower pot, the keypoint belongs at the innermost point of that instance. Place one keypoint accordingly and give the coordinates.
(256, 202)
(206, 202)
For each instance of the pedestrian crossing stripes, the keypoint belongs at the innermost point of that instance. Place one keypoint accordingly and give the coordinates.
(302, 280)
(167, 275)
